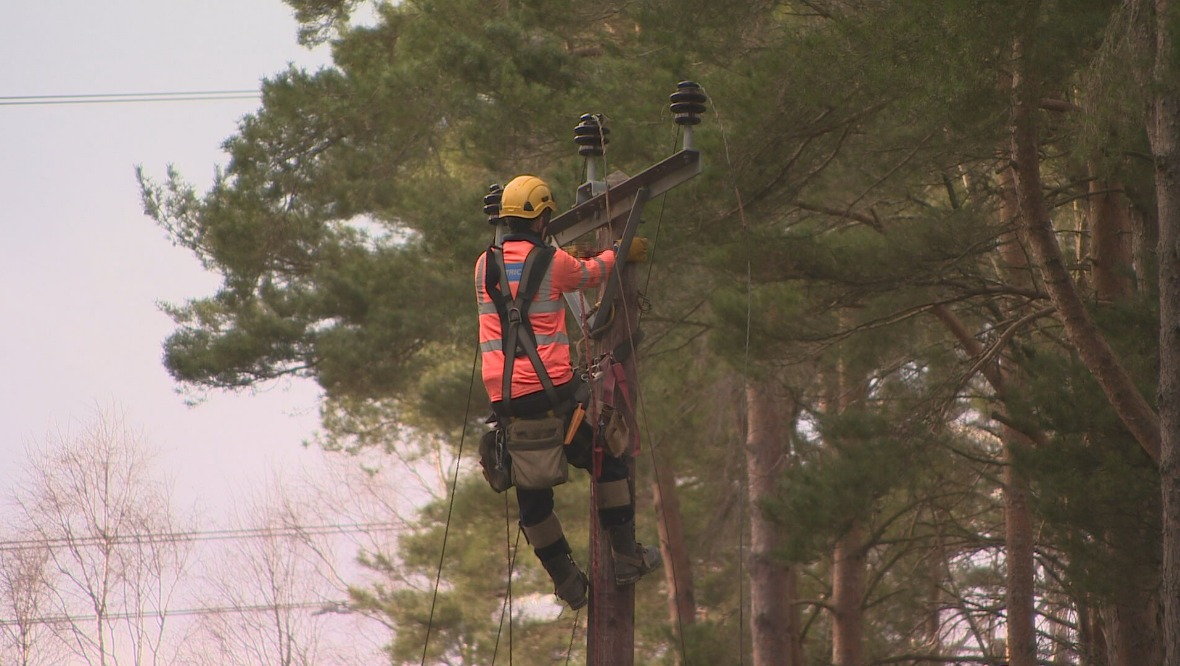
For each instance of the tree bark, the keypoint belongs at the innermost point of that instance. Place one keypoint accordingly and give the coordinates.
(1132, 635)
(1019, 559)
(1019, 542)
(848, 561)
(677, 565)
(848, 587)
(1164, 134)
(1110, 226)
(776, 622)
(1130, 405)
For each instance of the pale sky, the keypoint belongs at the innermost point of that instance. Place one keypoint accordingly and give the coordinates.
(83, 268)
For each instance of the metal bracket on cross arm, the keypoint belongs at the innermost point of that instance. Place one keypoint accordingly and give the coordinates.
(592, 213)
(602, 317)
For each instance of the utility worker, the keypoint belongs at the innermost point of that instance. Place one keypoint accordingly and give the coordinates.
(535, 381)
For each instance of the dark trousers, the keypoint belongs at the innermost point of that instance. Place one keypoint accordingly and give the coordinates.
(537, 505)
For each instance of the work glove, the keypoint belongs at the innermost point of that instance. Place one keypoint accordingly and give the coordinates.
(637, 254)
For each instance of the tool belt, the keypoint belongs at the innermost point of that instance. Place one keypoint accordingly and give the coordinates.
(530, 451)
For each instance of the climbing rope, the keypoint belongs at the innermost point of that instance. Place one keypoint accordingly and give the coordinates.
(450, 507)
(638, 393)
(569, 650)
(745, 376)
(641, 408)
(506, 607)
(596, 462)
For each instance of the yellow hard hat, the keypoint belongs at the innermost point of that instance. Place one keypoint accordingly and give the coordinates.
(526, 196)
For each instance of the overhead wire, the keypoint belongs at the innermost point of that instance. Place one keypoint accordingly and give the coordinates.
(198, 535)
(328, 606)
(129, 98)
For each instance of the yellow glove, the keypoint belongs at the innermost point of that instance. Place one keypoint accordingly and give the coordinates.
(637, 253)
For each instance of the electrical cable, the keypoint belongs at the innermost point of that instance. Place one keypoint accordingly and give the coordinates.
(197, 535)
(128, 98)
(165, 613)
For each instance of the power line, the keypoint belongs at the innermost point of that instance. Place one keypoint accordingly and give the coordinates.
(199, 535)
(128, 98)
(327, 606)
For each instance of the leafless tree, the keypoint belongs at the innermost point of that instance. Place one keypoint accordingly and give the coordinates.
(275, 598)
(25, 595)
(109, 533)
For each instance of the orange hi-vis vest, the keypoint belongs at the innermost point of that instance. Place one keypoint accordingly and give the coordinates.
(546, 313)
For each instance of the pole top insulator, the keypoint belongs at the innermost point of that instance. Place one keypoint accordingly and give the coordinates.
(688, 103)
(491, 203)
(591, 134)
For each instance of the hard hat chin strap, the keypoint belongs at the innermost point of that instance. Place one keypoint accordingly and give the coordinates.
(542, 224)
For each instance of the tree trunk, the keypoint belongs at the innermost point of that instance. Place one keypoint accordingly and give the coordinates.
(1110, 226)
(848, 587)
(848, 555)
(1132, 629)
(677, 566)
(776, 622)
(1019, 542)
(1019, 554)
(1130, 405)
(1019, 558)
(1164, 134)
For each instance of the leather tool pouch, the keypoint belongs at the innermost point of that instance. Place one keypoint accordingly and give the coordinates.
(494, 459)
(616, 433)
(537, 449)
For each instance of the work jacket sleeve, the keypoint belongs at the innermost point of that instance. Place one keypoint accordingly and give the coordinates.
(572, 274)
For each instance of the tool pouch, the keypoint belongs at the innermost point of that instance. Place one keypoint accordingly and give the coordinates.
(537, 449)
(615, 432)
(494, 459)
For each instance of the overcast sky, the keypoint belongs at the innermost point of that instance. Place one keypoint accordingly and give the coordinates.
(83, 269)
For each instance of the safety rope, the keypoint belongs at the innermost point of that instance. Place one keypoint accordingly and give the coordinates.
(636, 388)
(641, 408)
(506, 607)
(450, 508)
(595, 409)
(569, 649)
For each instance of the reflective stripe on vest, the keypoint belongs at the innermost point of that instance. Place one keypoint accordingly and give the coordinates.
(547, 316)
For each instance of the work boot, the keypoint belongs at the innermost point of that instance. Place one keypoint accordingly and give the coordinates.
(632, 559)
(569, 583)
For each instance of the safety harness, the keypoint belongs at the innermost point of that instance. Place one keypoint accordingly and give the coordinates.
(516, 329)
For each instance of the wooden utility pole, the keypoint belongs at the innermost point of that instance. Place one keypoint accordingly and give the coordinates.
(610, 627)
(612, 210)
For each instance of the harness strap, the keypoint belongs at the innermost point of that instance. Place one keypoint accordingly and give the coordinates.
(519, 339)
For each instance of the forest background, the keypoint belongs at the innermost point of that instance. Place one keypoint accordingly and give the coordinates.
(905, 391)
